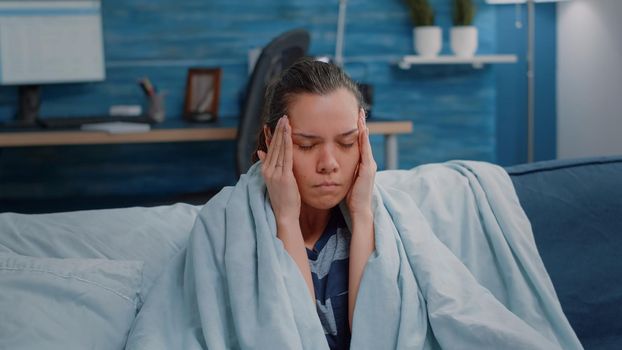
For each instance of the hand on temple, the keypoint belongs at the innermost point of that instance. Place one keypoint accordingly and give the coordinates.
(277, 171)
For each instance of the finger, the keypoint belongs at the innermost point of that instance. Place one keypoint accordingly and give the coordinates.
(269, 145)
(281, 155)
(278, 140)
(366, 154)
(361, 138)
(288, 161)
(275, 145)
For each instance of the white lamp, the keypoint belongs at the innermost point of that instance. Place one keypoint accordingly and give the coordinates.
(341, 22)
(501, 2)
(531, 73)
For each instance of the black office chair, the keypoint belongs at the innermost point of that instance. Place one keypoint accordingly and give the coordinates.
(280, 53)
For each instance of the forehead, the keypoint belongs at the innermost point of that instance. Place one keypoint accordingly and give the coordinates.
(324, 115)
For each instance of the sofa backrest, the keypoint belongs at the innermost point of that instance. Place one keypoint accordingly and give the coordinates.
(575, 209)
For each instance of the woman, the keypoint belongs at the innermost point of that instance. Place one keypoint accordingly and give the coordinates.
(448, 254)
(315, 152)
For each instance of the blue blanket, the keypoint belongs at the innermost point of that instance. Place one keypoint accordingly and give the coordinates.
(455, 267)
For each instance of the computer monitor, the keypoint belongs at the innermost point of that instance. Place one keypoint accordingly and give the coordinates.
(49, 42)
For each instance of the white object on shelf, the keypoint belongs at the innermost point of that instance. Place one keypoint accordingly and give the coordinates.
(476, 61)
(125, 110)
(428, 40)
(117, 127)
(463, 40)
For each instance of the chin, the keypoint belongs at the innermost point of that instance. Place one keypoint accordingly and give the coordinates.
(324, 202)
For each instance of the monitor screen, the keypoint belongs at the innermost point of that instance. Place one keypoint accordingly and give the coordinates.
(50, 42)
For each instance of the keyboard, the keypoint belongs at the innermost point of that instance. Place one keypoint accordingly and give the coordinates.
(76, 122)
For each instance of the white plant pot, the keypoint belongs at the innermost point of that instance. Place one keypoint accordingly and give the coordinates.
(428, 40)
(463, 40)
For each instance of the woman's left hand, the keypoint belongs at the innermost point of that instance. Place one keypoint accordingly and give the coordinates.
(359, 196)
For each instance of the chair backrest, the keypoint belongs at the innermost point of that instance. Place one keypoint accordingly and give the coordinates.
(280, 53)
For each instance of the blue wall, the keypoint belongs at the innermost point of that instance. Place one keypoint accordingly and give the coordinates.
(511, 81)
(456, 110)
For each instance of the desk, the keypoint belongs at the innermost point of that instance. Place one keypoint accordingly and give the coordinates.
(178, 131)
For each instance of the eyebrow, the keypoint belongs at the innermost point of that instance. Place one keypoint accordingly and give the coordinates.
(315, 137)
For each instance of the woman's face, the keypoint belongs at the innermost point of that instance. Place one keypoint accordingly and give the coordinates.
(326, 149)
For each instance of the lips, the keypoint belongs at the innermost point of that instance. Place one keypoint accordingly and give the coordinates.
(327, 185)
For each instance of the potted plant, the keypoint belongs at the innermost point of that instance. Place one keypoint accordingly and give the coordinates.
(427, 37)
(463, 34)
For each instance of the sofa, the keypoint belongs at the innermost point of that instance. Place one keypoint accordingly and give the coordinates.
(78, 279)
(575, 210)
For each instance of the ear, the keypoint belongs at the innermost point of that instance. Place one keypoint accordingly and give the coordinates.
(362, 113)
(267, 134)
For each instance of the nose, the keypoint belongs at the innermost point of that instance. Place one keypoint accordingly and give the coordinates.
(327, 163)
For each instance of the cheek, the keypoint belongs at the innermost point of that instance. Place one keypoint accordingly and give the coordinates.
(349, 162)
(354, 157)
(301, 164)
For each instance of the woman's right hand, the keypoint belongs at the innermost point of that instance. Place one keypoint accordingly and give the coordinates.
(277, 171)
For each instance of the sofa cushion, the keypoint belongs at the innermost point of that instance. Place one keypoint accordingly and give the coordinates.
(152, 235)
(575, 209)
(50, 303)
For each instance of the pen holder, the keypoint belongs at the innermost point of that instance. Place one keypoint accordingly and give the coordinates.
(155, 109)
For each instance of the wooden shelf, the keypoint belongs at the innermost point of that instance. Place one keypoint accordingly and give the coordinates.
(477, 61)
(201, 132)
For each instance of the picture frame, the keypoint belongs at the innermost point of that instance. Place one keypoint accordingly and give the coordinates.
(202, 94)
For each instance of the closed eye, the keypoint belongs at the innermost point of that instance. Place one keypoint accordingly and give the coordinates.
(305, 147)
(310, 147)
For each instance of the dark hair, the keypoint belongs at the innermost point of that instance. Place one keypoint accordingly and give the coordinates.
(306, 75)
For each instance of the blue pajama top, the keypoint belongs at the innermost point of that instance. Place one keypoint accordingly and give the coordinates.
(329, 270)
